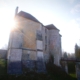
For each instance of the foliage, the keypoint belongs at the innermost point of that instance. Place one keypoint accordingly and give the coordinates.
(51, 59)
(73, 75)
(65, 55)
(3, 67)
(68, 55)
(58, 72)
(71, 67)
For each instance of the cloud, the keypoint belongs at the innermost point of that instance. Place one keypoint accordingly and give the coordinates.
(76, 9)
(71, 1)
(78, 19)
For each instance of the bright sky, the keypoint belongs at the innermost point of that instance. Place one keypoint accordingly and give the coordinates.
(64, 14)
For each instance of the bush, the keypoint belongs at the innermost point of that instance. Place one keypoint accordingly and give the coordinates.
(58, 72)
(71, 67)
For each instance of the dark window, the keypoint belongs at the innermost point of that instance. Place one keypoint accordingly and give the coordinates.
(45, 30)
(45, 47)
(46, 39)
(39, 35)
(45, 42)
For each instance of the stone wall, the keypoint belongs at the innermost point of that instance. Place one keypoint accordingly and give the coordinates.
(29, 29)
(24, 35)
(30, 42)
(29, 55)
(45, 35)
(14, 61)
(24, 46)
(16, 40)
(55, 45)
(14, 54)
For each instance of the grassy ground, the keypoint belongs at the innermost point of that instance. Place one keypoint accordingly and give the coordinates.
(3, 67)
(53, 73)
(71, 69)
(58, 73)
(73, 75)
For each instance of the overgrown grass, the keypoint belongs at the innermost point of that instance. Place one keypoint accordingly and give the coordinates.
(73, 75)
(71, 69)
(3, 68)
(58, 73)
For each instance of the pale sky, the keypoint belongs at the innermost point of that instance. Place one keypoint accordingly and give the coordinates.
(64, 14)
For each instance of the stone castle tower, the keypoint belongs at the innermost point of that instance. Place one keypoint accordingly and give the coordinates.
(31, 44)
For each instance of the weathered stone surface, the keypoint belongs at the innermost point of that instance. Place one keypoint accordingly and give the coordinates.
(29, 65)
(15, 55)
(55, 45)
(78, 70)
(45, 35)
(32, 65)
(29, 55)
(40, 55)
(46, 57)
(16, 40)
(40, 66)
(14, 67)
(14, 61)
(29, 29)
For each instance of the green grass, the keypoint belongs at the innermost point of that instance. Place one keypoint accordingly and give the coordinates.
(73, 75)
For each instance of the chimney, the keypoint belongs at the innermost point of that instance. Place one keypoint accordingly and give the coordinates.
(16, 11)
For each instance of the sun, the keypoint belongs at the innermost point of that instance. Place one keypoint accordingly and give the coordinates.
(11, 24)
(6, 20)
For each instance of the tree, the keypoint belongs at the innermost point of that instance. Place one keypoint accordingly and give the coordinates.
(77, 51)
(65, 55)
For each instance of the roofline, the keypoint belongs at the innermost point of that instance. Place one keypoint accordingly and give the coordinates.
(28, 18)
(53, 25)
(60, 35)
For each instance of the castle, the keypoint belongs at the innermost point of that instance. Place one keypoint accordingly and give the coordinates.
(30, 41)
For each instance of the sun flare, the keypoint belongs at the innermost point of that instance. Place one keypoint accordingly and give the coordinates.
(7, 23)
(6, 19)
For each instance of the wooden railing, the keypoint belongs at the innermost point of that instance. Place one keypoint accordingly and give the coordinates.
(71, 59)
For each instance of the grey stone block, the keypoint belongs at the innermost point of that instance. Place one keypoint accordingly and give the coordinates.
(32, 65)
(40, 66)
(15, 67)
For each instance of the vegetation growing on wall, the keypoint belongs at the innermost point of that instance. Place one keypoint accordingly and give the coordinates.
(51, 58)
